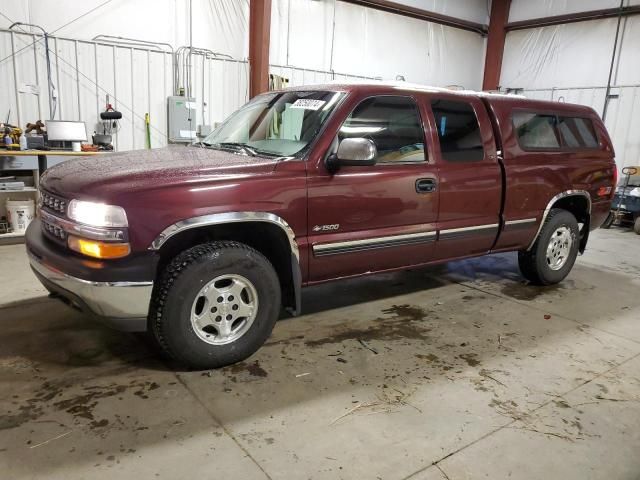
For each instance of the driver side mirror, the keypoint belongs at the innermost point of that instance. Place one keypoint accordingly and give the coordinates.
(356, 152)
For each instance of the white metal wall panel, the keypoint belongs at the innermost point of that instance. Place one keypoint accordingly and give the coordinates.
(302, 76)
(137, 80)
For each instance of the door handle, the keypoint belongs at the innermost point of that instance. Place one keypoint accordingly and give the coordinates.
(425, 185)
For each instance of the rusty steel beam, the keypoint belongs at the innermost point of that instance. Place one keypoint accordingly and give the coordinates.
(573, 18)
(495, 44)
(407, 11)
(259, 35)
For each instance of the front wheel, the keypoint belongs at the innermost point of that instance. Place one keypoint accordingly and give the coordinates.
(553, 254)
(215, 304)
(636, 225)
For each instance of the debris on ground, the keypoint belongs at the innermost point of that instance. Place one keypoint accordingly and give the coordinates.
(367, 346)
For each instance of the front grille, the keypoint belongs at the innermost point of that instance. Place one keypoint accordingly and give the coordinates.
(54, 231)
(53, 203)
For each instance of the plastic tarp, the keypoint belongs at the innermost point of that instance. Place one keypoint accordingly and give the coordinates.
(373, 43)
(528, 9)
(219, 25)
(472, 10)
(571, 63)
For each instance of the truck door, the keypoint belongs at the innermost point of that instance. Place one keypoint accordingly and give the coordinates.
(368, 218)
(470, 177)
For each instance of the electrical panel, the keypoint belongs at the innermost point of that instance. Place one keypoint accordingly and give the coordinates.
(181, 115)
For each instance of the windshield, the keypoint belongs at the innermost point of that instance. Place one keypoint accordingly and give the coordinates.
(280, 124)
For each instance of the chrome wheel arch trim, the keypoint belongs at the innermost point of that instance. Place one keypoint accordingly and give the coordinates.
(560, 196)
(222, 218)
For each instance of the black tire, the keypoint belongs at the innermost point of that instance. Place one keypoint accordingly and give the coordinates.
(533, 262)
(636, 225)
(609, 221)
(181, 282)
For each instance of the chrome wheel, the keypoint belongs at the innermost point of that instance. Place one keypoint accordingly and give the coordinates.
(559, 248)
(224, 309)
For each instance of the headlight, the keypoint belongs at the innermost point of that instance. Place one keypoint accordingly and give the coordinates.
(97, 214)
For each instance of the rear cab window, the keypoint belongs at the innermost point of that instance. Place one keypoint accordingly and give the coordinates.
(458, 131)
(577, 132)
(553, 132)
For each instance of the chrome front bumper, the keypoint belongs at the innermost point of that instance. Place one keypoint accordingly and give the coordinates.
(122, 305)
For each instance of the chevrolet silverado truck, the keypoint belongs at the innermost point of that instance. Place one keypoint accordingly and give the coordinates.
(204, 245)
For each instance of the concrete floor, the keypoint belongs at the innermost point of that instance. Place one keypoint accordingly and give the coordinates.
(459, 371)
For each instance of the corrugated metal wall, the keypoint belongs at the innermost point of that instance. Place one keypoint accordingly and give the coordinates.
(304, 76)
(138, 81)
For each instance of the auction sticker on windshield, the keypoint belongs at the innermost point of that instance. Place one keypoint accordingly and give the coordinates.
(308, 104)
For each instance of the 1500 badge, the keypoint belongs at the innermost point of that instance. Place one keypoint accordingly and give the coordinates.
(326, 228)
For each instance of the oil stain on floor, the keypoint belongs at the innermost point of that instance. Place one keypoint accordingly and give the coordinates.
(401, 321)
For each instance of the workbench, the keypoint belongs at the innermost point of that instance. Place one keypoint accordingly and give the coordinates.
(32, 163)
(57, 156)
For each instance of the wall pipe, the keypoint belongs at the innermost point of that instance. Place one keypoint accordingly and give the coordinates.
(607, 96)
(50, 86)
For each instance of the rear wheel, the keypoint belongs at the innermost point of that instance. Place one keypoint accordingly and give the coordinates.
(215, 304)
(553, 254)
(609, 221)
(636, 225)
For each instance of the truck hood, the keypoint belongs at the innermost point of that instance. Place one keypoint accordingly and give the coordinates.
(104, 176)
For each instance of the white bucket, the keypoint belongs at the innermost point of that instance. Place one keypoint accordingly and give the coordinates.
(20, 213)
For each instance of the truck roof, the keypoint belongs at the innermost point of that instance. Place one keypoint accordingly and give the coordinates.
(380, 86)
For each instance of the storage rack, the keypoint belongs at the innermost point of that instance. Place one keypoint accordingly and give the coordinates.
(33, 163)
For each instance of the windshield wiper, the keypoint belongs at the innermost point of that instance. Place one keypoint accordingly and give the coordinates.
(241, 146)
(201, 144)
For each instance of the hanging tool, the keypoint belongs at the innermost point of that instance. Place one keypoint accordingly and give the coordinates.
(147, 125)
(110, 125)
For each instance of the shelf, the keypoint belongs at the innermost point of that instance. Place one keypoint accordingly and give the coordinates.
(12, 235)
(25, 189)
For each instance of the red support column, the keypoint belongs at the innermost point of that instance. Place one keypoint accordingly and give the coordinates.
(259, 35)
(495, 43)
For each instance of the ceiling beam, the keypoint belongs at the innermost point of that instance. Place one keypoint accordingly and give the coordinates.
(259, 36)
(495, 44)
(573, 18)
(407, 11)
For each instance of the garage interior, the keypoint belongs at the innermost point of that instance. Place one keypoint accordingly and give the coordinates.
(456, 371)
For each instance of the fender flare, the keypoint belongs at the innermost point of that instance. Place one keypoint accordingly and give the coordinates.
(560, 196)
(241, 217)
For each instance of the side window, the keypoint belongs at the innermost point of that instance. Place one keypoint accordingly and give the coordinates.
(458, 131)
(577, 132)
(392, 123)
(536, 130)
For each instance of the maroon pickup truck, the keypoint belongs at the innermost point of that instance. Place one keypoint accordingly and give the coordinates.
(203, 245)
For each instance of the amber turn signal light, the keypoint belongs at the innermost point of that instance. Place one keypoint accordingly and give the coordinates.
(96, 249)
